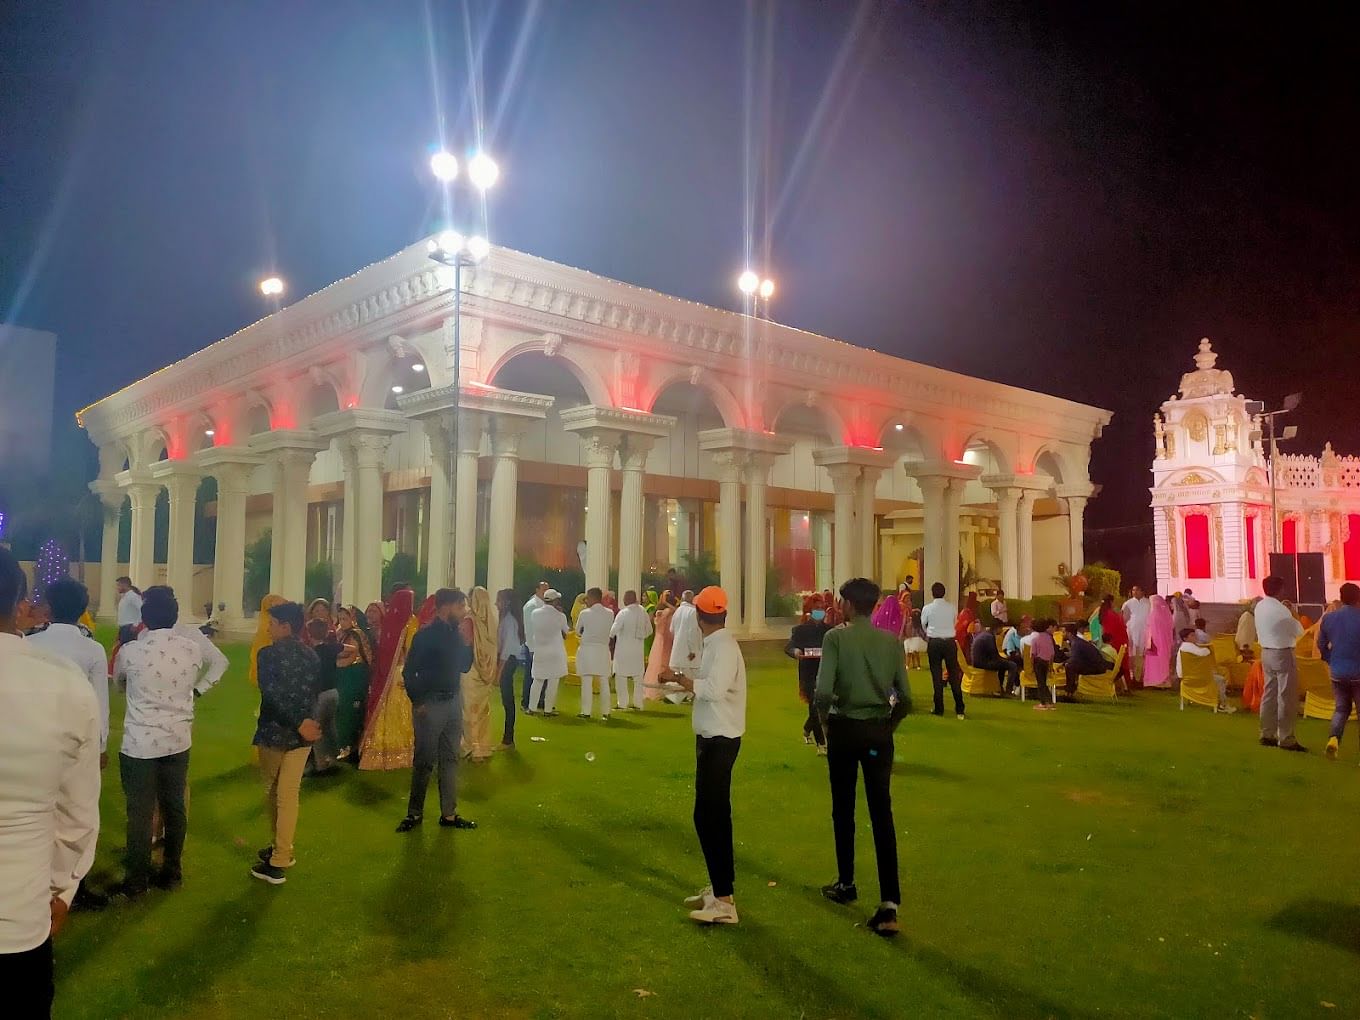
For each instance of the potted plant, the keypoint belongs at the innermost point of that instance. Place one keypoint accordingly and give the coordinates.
(1072, 608)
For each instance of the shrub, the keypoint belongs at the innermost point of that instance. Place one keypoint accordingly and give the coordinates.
(320, 583)
(258, 554)
(403, 567)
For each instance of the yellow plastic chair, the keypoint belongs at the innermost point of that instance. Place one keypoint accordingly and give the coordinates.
(572, 642)
(978, 682)
(1197, 681)
(1102, 685)
(1315, 685)
(1028, 678)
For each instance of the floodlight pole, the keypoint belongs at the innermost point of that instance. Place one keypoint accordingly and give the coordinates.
(1274, 493)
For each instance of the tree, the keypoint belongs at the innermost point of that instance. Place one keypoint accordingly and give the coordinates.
(258, 555)
(52, 565)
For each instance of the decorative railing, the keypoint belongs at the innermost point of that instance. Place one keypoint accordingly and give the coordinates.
(1299, 471)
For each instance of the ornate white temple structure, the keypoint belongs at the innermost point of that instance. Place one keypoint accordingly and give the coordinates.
(1211, 495)
(592, 414)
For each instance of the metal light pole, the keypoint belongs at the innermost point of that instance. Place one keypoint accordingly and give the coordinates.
(1257, 408)
(755, 289)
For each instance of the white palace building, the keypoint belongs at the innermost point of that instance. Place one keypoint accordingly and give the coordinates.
(591, 415)
(1212, 493)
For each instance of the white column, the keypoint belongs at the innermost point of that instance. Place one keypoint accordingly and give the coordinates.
(845, 554)
(465, 526)
(601, 445)
(229, 557)
(349, 520)
(633, 461)
(1076, 540)
(1025, 536)
(278, 525)
(1007, 502)
(866, 523)
(933, 490)
(757, 555)
(142, 554)
(730, 465)
(438, 557)
(112, 502)
(179, 558)
(370, 451)
(297, 469)
(952, 552)
(500, 568)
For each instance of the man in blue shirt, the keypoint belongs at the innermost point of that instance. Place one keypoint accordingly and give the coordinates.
(1339, 643)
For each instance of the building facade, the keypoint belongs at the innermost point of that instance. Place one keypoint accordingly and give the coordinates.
(590, 415)
(1212, 495)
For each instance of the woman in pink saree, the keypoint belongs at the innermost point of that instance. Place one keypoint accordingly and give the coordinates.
(888, 615)
(1159, 668)
(662, 641)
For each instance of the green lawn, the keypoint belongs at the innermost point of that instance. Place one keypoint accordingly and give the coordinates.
(1127, 860)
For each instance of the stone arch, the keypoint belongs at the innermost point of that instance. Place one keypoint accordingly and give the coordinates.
(257, 415)
(808, 412)
(700, 381)
(905, 440)
(558, 359)
(684, 399)
(1051, 459)
(147, 447)
(322, 393)
(991, 451)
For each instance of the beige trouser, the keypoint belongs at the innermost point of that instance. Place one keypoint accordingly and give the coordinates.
(282, 773)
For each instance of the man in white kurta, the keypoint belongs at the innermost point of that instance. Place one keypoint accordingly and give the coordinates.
(687, 643)
(1135, 612)
(544, 631)
(592, 654)
(631, 627)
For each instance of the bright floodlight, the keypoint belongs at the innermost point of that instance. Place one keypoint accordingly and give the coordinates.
(766, 289)
(417, 367)
(478, 248)
(483, 171)
(449, 241)
(397, 389)
(747, 282)
(271, 286)
(444, 165)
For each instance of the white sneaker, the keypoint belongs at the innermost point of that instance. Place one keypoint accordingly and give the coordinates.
(700, 898)
(715, 911)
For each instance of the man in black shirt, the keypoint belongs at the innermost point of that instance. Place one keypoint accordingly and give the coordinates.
(434, 666)
(327, 648)
(1083, 659)
(290, 675)
(987, 656)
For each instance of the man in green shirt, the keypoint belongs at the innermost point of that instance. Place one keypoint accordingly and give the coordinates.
(862, 695)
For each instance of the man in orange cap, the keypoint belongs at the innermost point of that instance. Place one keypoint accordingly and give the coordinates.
(719, 688)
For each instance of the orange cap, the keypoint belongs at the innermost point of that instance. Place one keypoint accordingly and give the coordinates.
(712, 600)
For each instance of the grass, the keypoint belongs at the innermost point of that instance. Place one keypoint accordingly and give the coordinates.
(1126, 860)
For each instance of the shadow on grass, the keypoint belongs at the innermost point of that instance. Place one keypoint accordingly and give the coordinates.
(1337, 924)
(231, 777)
(424, 902)
(1004, 997)
(363, 792)
(920, 770)
(223, 939)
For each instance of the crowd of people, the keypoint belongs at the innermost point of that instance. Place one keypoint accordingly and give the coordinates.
(396, 687)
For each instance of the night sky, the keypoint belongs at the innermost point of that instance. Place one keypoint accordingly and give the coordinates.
(1065, 200)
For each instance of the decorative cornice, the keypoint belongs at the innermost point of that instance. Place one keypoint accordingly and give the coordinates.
(744, 440)
(385, 298)
(488, 399)
(618, 419)
(861, 456)
(359, 419)
(287, 440)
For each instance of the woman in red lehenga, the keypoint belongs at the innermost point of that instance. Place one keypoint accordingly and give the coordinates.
(395, 617)
(1116, 634)
(963, 627)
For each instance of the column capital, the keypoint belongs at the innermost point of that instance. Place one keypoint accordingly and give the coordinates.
(600, 446)
(110, 493)
(230, 465)
(746, 440)
(947, 469)
(475, 397)
(731, 464)
(620, 420)
(471, 428)
(758, 466)
(370, 448)
(843, 477)
(1077, 490)
(167, 471)
(359, 419)
(860, 456)
(506, 435)
(288, 444)
(636, 447)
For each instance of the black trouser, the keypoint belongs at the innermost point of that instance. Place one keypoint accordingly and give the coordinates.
(943, 656)
(528, 679)
(813, 723)
(1007, 672)
(27, 980)
(853, 744)
(714, 759)
(438, 731)
(1041, 677)
(508, 699)
(149, 783)
(1074, 673)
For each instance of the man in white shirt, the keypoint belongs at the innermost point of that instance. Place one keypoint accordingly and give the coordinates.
(687, 646)
(214, 659)
(159, 675)
(544, 631)
(69, 599)
(942, 649)
(592, 654)
(1278, 631)
(1190, 645)
(719, 687)
(536, 601)
(49, 800)
(631, 627)
(1000, 613)
(129, 603)
(1135, 611)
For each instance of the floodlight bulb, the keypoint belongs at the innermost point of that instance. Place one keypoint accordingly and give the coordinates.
(766, 289)
(478, 248)
(483, 171)
(449, 241)
(271, 286)
(748, 282)
(444, 165)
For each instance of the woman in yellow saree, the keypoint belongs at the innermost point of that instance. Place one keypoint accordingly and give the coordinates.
(389, 736)
(482, 679)
(262, 638)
